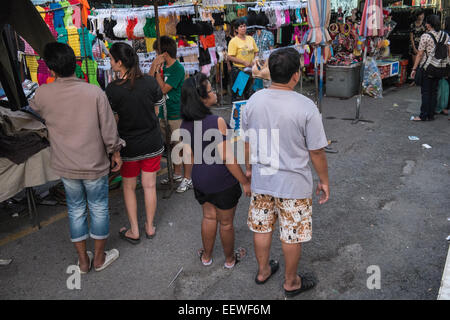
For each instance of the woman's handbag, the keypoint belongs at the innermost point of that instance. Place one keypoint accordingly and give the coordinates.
(260, 70)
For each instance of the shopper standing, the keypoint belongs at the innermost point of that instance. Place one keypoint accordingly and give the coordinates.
(216, 185)
(241, 52)
(426, 51)
(417, 29)
(282, 187)
(170, 81)
(82, 133)
(135, 98)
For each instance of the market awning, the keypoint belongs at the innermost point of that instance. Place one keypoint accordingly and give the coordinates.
(372, 19)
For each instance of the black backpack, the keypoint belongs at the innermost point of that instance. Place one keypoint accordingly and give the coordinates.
(437, 65)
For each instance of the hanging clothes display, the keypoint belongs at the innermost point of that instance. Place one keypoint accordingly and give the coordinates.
(33, 67)
(73, 40)
(89, 67)
(76, 16)
(86, 40)
(58, 15)
(43, 72)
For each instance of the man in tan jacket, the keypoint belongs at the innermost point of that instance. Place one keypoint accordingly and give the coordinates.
(82, 133)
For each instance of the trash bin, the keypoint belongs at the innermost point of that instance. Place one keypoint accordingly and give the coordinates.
(343, 81)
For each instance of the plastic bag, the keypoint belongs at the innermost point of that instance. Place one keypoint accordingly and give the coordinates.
(372, 85)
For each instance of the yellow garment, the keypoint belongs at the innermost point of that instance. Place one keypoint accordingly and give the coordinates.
(74, 40)
(33, 67)
(149, 44)
(244, 50)
(41, 11)
(162, 25)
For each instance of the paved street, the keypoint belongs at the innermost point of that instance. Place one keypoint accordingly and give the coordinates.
(389, 205)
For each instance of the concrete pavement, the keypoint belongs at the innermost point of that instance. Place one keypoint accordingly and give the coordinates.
(388, 208)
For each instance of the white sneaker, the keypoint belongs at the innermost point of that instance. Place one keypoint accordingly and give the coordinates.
(176, 178)
(185, 185)
(110, 257)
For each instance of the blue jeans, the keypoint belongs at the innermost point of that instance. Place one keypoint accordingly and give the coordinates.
(81, 194)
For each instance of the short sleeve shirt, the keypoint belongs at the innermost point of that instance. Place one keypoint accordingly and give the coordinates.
(244, 50)
(427, 44)
(280, 137)
(138, 124)
(174, 77)
(264, 41)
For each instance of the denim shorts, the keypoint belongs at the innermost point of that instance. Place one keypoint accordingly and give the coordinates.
(84, 194)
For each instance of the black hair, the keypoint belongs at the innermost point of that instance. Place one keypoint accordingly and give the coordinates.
(122, 51)
(238, 22)
(434, 21)
(417, 13)
(60, 58)
(167, 45)
(283, 63)
(194, 89)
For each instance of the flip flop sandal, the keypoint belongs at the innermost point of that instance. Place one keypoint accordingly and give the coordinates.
(148, 236)
(239, 254)
(274, 266)
(307, 283)
(123, 236)
(91, 258)
(110, 257)
(200, 254)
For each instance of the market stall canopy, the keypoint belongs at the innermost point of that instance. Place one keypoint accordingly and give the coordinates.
(23, 17)
(319, 13)
(372, 19)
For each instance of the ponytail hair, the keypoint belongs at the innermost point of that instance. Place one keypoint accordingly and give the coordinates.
(122, 51)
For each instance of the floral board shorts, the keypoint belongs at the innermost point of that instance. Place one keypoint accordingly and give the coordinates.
(294, 214)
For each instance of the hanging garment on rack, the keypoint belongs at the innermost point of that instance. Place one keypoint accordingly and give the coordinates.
(131, 23)
(73, 39)
(43, 72)
(76, 16)
(120, 29)
(86, 40)
(150, 28)
(171, 26)
(28, 49)
(149, 44)
(41, 11)
(32, 65)
(220, 37)
(138, 30)
(79, 73)
(90, 67)
(67, 13)
(208, 41)
(219, 19)
(79, 64)
(85, 11)
(162, 25)
(58, 15)
(204, 58)
(49, 21)
(62, 35)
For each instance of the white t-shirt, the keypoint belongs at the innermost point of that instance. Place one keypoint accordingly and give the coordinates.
(281, 127)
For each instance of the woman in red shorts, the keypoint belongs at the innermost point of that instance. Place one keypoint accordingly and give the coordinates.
(135, 99)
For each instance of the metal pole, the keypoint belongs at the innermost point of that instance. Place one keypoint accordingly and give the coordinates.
(166, 121)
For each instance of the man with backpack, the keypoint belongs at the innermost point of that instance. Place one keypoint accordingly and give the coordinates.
(433, 62)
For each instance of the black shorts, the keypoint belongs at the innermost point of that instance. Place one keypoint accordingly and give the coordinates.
(224, 200)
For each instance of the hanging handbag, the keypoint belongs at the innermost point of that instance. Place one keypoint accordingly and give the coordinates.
(418, 78)
(261, 70)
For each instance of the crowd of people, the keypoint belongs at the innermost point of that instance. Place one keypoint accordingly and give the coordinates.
(93, 132)
(430, 51)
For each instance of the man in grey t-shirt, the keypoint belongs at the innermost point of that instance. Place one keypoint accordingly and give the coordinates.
(284, 131)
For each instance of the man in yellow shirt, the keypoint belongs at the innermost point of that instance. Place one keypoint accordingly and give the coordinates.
(242, 50)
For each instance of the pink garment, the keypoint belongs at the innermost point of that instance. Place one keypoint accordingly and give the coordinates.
(279, 20)
(206, 70)
(76, 16)
(28, 48)
(212, 53)
(287, 17)
(306, 58)
(43, 72)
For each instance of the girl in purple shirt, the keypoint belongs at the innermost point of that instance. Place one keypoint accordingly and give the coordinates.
(216, 185)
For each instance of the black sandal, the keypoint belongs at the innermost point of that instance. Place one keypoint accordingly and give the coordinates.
(274, 266)
(306, 284)
(123, 236)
